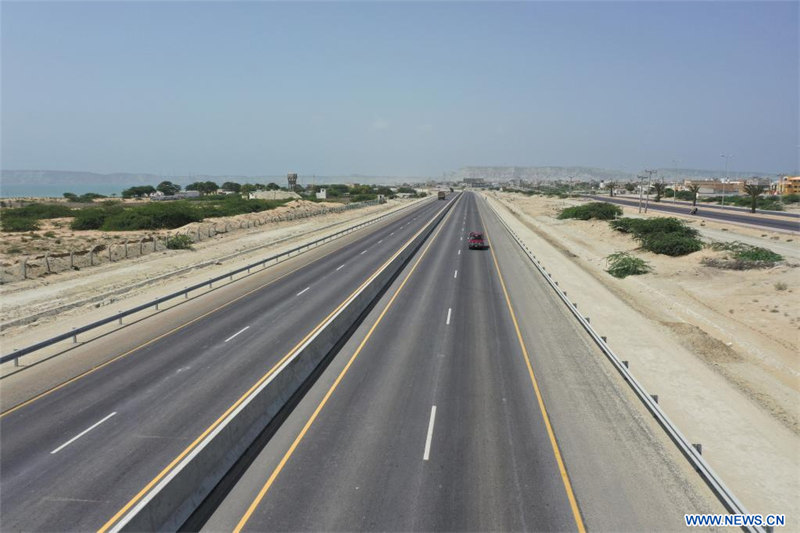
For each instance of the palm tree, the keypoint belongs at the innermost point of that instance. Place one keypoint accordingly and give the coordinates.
(754, 191)
(660, 188)
(694, 189)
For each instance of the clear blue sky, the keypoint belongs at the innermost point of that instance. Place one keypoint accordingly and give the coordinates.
(263, 88)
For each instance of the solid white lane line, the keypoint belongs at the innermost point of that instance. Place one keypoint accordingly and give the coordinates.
(339, 267)
(455, 274)
(304, 290)
(82, 433)
(362, 253)
(449, 310)
(430, 434)
(240, 331)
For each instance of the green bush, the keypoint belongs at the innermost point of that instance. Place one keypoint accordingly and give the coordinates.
(673, 244)
(19, 223)
(597, 210)
(89, 218)
(661, 235)
(179, 242)
(39, 211)
(791, 198)
(752, 256)
(623, 264)
(640, 227)
(166, 215)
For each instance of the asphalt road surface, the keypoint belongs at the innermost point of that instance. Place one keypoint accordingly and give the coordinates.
(73, 456)
(764, 220)
(448, 411)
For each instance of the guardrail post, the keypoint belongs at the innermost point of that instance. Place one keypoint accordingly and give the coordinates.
(16, 359)
(654, 397)
(185, 295)
(626, 363)
(209, 283)
(698, 447)
(588, 320)
(604, 339)
(74, 337)
(120, 316)
(156, 302)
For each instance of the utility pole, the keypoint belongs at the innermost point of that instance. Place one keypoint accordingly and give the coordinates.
(674, 188)
(725, 157)
(641, 179)
(649, 183)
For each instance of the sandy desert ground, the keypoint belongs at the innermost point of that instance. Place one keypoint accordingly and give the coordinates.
(719, 347)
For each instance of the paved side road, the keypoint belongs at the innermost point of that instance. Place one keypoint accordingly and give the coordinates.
(763, 221)
(428, 418)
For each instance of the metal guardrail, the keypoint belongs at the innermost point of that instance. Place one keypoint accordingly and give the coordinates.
(712, 479)
(17, 353)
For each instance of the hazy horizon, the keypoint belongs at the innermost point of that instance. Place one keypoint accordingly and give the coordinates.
(398, 89)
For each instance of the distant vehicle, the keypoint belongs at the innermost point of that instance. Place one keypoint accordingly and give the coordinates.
(476, 241)
(442, 195)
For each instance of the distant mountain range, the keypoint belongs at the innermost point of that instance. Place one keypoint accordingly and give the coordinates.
(500, 174)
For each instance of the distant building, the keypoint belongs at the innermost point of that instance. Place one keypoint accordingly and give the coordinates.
(322, 194)
(716, 187)
(789, 185)
(274, 195)
(475, 182)
(159, 196)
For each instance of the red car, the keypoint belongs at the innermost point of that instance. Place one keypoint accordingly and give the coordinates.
(476, 241)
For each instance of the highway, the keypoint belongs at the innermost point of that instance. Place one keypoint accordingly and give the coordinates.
(73, 456)
(467, 400)
(770, 220)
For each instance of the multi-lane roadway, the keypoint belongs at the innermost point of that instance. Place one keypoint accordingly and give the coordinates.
(73, 455)
(467, 399)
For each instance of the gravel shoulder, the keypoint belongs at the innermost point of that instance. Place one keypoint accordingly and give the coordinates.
(719, 347)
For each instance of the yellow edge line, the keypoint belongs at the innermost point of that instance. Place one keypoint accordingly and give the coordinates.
(261, 493)
(576, 513)
(238, 402)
